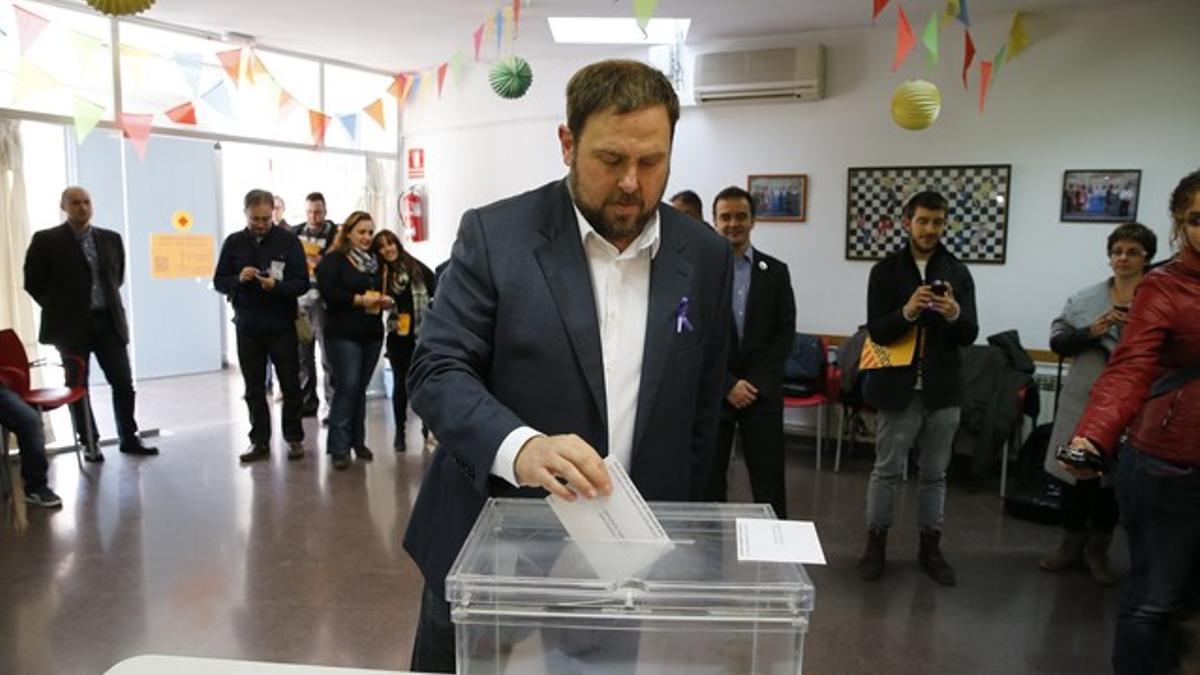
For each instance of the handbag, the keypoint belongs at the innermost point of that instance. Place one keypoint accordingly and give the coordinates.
(304, 329)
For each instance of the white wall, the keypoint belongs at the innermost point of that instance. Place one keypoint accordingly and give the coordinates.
(1110, 87)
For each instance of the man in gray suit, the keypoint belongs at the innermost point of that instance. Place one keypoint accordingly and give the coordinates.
(579, 320)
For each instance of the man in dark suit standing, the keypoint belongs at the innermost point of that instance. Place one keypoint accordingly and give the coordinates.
(764, 320)
(579, 320)
(75, 271)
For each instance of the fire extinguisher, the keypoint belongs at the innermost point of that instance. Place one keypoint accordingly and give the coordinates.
(412, 213)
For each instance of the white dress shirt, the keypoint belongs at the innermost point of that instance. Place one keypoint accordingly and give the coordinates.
(621, 285)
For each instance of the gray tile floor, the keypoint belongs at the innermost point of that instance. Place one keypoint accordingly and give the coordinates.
(190, 553)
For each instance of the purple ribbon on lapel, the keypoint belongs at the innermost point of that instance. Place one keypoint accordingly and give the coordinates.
(681, 317)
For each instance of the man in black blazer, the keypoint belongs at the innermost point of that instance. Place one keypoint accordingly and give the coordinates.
(764, 320)
(578, 320)
(75, 271)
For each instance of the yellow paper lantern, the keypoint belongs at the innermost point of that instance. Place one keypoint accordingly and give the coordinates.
(121, 7)
(916, 104)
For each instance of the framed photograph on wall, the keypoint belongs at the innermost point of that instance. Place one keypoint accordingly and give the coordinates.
(1100, 196)
(976, 227)
(779, 197)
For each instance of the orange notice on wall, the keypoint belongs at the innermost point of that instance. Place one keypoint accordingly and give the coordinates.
(181, 256)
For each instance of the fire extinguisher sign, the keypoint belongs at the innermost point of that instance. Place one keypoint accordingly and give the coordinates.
(416, 163)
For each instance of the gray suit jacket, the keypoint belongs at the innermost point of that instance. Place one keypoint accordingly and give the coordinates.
(513, 339)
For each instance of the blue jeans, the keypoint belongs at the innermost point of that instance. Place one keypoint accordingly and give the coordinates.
(23, 420)
(1160, 506)
(353, 363)
(896, 432)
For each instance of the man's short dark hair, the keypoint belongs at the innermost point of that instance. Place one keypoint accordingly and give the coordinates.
(256, 197)
(689, 199)
(929, 200)
(734, 192)
(315, 197)
(624, 86)
(1137, 233)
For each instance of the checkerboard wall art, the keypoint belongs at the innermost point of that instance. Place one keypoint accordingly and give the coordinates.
(976, 227)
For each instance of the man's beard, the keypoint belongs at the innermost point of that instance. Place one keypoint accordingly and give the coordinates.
(612, 229)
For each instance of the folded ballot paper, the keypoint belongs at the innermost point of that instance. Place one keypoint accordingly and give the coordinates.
(618, 535)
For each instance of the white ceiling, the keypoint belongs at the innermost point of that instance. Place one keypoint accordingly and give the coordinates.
(399, 35)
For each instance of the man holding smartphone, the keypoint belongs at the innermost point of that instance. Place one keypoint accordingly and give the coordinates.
(921, 288)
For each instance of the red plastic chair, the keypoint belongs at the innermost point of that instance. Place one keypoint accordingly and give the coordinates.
(14, 369)
(828, 395)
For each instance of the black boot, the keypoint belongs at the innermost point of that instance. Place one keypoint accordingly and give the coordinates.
(931, 558)
(870, 567)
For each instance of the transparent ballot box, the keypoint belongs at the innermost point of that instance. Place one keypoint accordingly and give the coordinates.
(527, 599)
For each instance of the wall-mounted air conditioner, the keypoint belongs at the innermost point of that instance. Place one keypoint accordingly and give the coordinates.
(789, 73)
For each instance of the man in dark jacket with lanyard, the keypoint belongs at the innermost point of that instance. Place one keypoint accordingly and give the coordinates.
(316, 236)
(262, 270)
(921, 288)
(75, 271)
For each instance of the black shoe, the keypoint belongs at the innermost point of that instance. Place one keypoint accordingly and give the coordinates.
(137, 448)
(43, 497)
(295, 450)
(870, 567)
(325, 421)
(93, 455)
(254, 454)
(364, 453)
(341, 462)
(932, 562)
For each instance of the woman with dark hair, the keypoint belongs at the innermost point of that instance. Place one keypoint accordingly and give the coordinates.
(410, 284)
(1149, 395)
(350, 280)
(1087, 331)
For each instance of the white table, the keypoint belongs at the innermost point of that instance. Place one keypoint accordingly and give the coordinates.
(154, 664)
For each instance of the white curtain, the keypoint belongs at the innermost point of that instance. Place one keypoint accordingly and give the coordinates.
(16, 308)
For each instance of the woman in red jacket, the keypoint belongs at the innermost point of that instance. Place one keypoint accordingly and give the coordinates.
(1144, 393)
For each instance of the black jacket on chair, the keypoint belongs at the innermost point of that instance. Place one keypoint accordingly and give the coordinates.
(760, 355)
(59, 279)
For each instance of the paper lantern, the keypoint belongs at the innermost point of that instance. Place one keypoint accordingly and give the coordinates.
(121, 7)
(916, 104)
(511, 77)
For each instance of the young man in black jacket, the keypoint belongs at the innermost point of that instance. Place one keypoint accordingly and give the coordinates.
(316, 236)
(262, 269)
(921, 291)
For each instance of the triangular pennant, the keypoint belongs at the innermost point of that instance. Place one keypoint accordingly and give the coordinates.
(86, 48)
(87, 116)
(499, 29)
(190, 66)
(477, 36)
(953, 7)
(136, 127)
(412, 83)
(184, 113)
(998, 62)
(256, 69)
(968, 57)
(318, 122)
(456, 64)
(985, 77)
(643, 10)
(218, 97)
(879, 5)
(374, 110)
(929, 37)
(31, 80)
(350, 122)
(1018, 37)
(441, 77)
(964, 17)
(516, 18)
(399, 87)
(29, 27)
(231, 61)
(489, 26)
(134, 62)
(904, 40)
(287, 104)
(508, 21)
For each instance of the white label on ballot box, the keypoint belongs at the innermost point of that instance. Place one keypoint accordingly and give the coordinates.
(788, 541)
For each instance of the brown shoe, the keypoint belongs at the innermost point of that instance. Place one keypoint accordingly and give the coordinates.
(1068, 554)
(295, 450)
(870, 567)
(254, 454)
(931, 559)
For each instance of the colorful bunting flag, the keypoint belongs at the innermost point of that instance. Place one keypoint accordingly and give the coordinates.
(218, 98)
(286, 105)
(86, 49)
(963, 16)
(904, 40)
(879, 5)
(401, 85)
(441, 77)
(929, 37)
(350, 122)
(318, 122)
(477, 36)
(190, 66)
(998, 61)
(643, 10)
(968, 57)
(1018, 37)
(516, 18)
(87, 116)
(134, 62)
(29, 27)
(136, 127)
(231, 61)
(456, 65)
(184, 113)
(256, 69)
(31, 80)
(499, 30)
(985, 76)
(374, 110)
(414, 82)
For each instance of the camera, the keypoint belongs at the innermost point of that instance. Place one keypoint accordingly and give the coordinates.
(1080, 459)
(939, 288)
